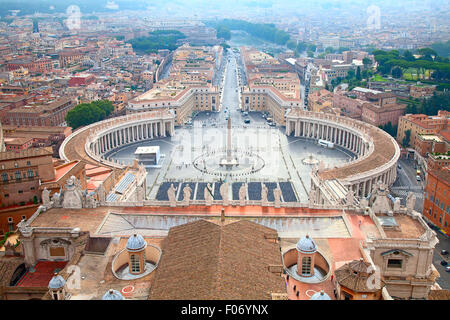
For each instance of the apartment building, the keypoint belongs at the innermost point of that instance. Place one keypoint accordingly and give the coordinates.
(436, 206)
(421, 124)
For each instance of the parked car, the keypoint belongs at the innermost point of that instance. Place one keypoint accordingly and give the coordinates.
(247, 120)
(444, 252)
(399, 166)
(447, 269)
(418, 178)
(444, 263)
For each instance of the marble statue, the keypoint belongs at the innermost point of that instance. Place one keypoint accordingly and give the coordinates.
(224, 193)
(90, 202)
(57, 199)
(350, 198)
(381, 202)
(410, 202)
(73, 196)
(397, 204)
(207, 195)
(171, 194)
(277, 196)
(242, 194)
(187, 191)
(140, 196)
(264, 193)
(101, 194)
(46, 198)
(312, 197)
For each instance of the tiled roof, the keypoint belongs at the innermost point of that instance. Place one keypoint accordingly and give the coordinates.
(354, 276)
(205, 260)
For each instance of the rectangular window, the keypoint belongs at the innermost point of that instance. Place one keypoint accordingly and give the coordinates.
(395, 263)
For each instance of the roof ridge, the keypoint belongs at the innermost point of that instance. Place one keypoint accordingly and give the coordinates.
(218, 265)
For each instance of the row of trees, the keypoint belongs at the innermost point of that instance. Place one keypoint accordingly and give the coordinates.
(160, 39)
(263, 31)
(430, 106)
(87, 113)
(389, 128)
(223, 32)
(396, 63)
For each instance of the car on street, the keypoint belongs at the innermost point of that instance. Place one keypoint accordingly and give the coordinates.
(247, 120)
(399, 166)
(444, 263)
(444, 252)
(418, 178)
(447, 269)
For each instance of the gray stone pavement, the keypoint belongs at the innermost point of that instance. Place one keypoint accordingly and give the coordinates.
(282, 155)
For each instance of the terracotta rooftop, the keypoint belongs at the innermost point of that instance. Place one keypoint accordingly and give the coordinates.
(408, 228)
(205, 260)
(354, 276)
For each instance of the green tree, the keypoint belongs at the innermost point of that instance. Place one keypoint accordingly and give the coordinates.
(358, 74)
(406, 138)
(367, 63)
(397, 72)
(223, 32)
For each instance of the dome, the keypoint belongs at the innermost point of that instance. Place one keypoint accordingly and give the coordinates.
(306, 245)
(320, 296)
(112, 295)
(56, 282)
(136, 243)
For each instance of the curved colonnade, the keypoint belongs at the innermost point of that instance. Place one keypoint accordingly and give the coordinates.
(377, 152)
(93, 142)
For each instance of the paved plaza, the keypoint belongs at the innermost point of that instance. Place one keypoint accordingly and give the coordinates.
(264, 153)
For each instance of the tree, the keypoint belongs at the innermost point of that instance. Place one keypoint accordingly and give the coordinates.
(329, 50)
(87, 113)
(367, 63)
(406, 138)
(223, 32)
(397, 72)
(301, 46)
(310, 54)
(358, 74)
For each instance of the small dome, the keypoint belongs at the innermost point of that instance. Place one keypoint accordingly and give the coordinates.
(136, 242)
(56, 282)
(306, 245)
(112, 295)
(320, 296)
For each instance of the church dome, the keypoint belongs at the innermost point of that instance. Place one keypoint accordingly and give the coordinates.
(136, 243)
(320, 296)
(112, 295)
(306, 245)
(56, 282)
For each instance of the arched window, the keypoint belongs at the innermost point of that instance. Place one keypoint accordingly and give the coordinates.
(30, 173)
(134, 263)
(306, 266)
(4, 177)
(18, 176)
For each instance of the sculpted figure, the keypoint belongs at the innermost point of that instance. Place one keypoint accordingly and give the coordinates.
(171, 193)
(277, 196)
(207, 195)
(410, 201)
(224, 193)
(187, 191)
(242, 194)
(264, 192)
(46, 197)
